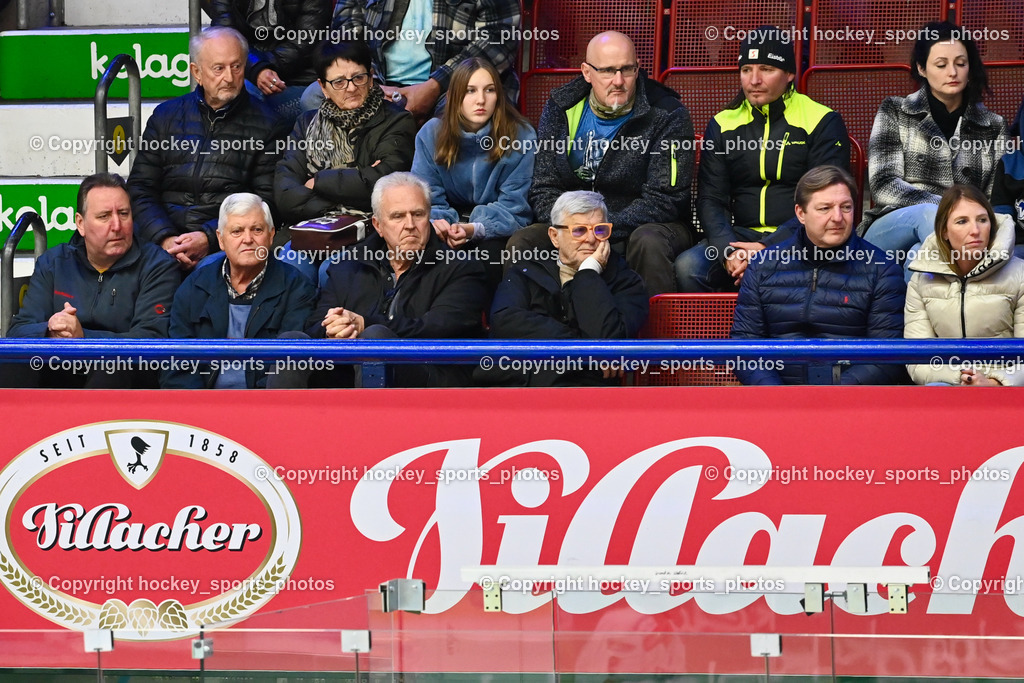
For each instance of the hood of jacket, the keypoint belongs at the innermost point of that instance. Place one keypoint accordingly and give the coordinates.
(928, 259)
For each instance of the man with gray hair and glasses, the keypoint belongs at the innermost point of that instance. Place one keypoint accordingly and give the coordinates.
(586, 292)
(402, 281)
(245, 294)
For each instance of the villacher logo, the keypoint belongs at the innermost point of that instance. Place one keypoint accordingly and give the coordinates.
(136, 499)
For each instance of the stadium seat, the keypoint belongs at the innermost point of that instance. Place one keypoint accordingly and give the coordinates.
(834, 23)
(707, 33)
(997, 26)
(1007, 82)
(858, 168)
(857, 91)
(561, 30)
(704, 90)
(536, 88)
(689, 316)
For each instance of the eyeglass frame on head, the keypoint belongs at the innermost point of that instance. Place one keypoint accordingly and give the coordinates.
(334, 84)
(611, 71)
(588, 228)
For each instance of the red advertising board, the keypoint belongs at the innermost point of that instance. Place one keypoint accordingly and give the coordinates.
(264, 518)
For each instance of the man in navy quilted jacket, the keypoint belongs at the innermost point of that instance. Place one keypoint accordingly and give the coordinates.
(823, 282)
(201, 147)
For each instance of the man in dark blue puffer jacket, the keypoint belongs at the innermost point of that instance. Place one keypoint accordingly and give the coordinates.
(823, 282)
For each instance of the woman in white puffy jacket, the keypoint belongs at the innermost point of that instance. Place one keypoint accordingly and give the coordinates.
(966, 283)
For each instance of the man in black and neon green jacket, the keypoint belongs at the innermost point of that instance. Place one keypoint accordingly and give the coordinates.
(754, 152)
(613, 130)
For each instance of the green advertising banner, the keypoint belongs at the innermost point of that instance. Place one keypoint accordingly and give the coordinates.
(67, 64)
(54, 202)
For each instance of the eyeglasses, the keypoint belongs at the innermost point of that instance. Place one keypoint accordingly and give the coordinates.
(628, 71)
(359, 80)
(602, 231)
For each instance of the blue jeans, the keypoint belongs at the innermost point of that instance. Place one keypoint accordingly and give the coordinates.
(699, 269)
(696, 273)
(900, 233)
(286, 103)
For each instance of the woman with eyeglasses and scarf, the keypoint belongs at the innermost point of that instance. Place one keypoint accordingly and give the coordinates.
(338, 151)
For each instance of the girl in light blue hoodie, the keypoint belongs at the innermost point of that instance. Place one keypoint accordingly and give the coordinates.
(478, 160)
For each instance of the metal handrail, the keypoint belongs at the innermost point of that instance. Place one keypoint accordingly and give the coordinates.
(195, 25)
(134, 108)
(8, 297)
(470, 351)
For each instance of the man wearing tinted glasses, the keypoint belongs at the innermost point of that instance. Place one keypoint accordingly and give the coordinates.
(614, 131)
(588, 292)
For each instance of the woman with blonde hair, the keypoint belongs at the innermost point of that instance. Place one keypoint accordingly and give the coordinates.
(966, 283)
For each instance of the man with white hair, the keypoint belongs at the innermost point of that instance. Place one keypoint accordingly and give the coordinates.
(200, 147)
(587, 293)
(403, 281)
(246, 294)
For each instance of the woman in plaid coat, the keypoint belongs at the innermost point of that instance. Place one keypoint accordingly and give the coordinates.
(924, 143)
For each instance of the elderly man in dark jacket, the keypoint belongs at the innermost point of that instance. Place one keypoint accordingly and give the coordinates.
(823, 282)
(200, 147)
(614, 131)
(403, 282)
(588, 292)
(101, 284)
(247, 294)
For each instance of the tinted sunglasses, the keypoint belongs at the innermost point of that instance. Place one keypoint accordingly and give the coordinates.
(602, 231)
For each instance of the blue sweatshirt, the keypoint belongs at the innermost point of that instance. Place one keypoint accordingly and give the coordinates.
(493, 194)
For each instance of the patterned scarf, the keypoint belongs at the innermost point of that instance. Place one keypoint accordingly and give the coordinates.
(330, 133)
(604, 112)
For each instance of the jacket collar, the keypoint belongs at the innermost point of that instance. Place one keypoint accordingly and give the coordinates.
(578, 89)
(228, 109)
(134, 253)
(546, 272)
(927, 259)
(210, 281)
(916, 104)
(772, 111)
(816, 254)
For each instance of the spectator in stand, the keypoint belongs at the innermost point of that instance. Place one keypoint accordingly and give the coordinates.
(336, 153)
(281, 35)
(754, 153)
(823, 282)
(966, 283)
(615, 131)
(1008, 186)
(924, 143)
(478, 160)
(102, 283)
(200, 147)
(242, 294)
(417, 72)
(399, 283)
(588, 292)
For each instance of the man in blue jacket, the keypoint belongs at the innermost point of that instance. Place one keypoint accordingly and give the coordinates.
(823, 282)
(246, 294)
(102, 283)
